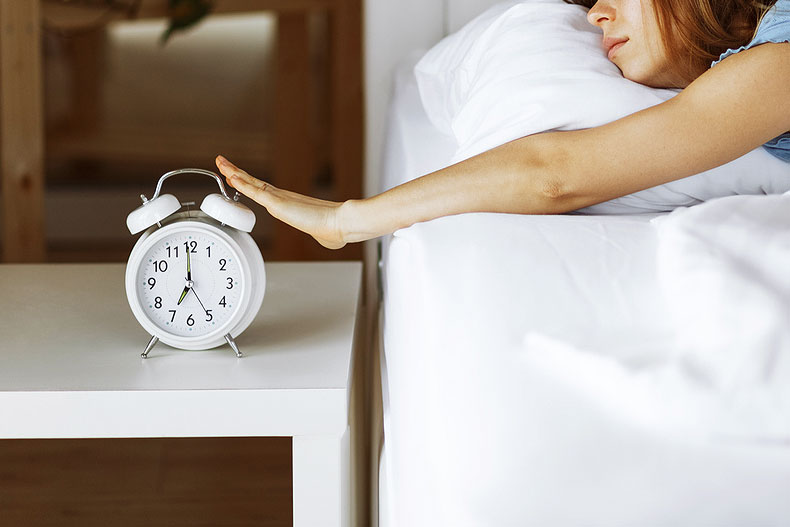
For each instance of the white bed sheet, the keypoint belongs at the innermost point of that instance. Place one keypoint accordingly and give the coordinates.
(477, 431)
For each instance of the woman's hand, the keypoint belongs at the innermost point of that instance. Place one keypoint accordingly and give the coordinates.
(319, 218)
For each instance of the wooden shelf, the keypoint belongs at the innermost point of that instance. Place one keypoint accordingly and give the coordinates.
(174, 146)
(159, 9)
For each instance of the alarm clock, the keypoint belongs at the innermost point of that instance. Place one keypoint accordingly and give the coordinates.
(195, 279)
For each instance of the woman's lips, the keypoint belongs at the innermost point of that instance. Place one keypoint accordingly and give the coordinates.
(612, 45)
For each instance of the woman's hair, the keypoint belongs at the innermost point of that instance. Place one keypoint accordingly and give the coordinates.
(696, 32)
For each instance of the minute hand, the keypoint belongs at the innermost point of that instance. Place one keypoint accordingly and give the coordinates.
(189, 266)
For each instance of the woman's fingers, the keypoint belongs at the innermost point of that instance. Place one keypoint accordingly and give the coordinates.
(254, 192)
(229, 170)
(314, 216)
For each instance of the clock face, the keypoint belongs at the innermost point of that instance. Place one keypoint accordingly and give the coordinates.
(190, 282)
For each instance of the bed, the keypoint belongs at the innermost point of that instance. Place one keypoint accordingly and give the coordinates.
(578, 369)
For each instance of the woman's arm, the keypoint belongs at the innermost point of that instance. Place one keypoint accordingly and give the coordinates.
(731, 109)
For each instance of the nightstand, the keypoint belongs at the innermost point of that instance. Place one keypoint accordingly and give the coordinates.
(70, 367)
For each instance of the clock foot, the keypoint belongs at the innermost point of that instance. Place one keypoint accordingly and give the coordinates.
(232, 344)
(149, 347)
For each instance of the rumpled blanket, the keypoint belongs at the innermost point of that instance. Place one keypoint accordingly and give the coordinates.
(724, 270)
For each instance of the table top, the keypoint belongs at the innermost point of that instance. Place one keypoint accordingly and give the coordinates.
(71, 344)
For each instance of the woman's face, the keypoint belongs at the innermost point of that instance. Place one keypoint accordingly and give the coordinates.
(633, 41)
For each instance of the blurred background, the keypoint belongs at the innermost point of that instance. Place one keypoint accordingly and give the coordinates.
(130, 89)
(99, 98)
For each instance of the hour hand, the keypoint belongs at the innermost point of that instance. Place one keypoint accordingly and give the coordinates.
(183, 295)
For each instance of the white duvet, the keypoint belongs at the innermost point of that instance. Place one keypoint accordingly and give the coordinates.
(723, 266)
(577, 370)
(722, 270)
(474, 434)
(582, 370)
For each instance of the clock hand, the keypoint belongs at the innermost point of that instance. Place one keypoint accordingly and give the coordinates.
(189, 266)
(189, 279)
(198, 299)
(183, 295)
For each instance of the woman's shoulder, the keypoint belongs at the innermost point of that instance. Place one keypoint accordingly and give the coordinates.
(774, 27)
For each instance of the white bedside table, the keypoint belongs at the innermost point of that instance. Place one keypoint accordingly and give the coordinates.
(70, 367)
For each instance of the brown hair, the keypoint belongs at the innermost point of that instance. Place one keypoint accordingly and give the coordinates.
(696, 32)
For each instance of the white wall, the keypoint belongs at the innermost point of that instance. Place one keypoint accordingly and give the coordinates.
(392, 30)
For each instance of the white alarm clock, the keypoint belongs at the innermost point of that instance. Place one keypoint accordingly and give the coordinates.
(195, 279)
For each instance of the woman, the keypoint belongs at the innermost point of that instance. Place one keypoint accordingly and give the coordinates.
(732, 59)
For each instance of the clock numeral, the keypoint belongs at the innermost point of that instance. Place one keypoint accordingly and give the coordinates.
(209, 316)
(160, 266)
(175, 251)
(230, 283)
(222, 302)
(173, 311)
(208, 250)
(152, 282)
(222, 263)
(191, 246)
(158, 302)
(190, 321)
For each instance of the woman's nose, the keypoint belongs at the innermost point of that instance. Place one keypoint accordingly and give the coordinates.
(601, 12)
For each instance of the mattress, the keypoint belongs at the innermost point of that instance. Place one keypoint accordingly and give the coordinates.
(492, 324)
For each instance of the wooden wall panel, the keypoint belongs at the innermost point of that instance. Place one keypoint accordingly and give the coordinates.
(347, 108)
(293, 162)
(21, 132)
(159, 482)
(346, 97)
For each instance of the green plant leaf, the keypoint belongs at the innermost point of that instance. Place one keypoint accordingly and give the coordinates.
(184, 14)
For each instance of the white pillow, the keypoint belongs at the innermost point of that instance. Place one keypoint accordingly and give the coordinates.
(526, 67)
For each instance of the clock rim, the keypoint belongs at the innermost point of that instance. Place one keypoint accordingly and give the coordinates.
(235, 324)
